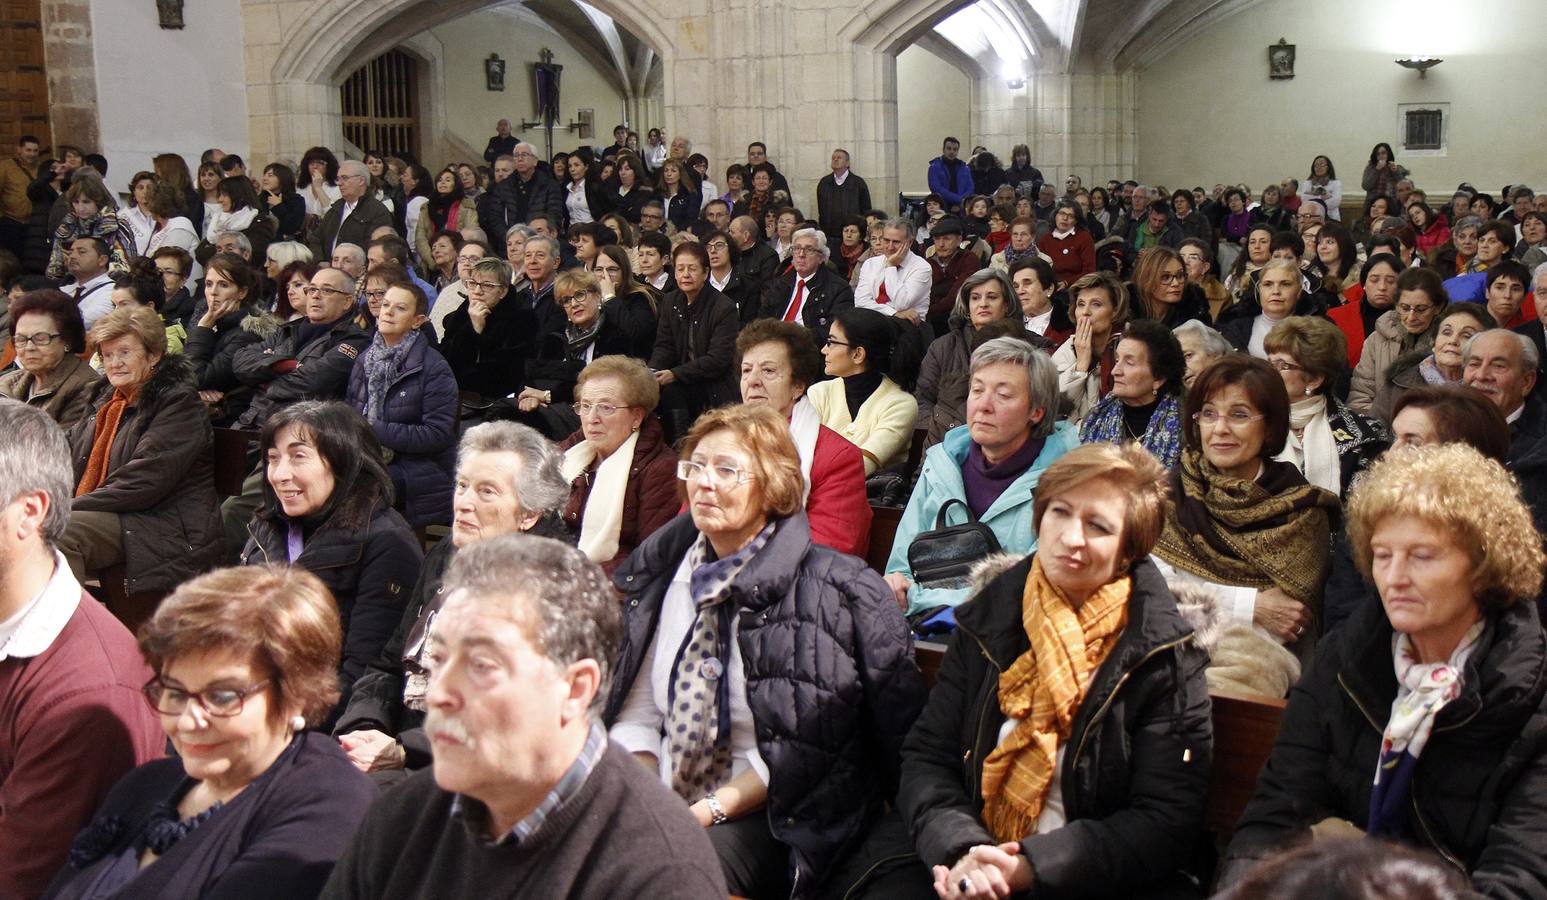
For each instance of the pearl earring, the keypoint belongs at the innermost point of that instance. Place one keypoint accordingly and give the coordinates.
(1307, 391)
(297, 723)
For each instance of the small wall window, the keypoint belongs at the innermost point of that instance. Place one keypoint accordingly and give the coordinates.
(1423, 128)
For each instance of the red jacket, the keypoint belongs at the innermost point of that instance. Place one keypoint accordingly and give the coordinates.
(838, 508)
(1347, 318)
(72, 722)
(1072, 256)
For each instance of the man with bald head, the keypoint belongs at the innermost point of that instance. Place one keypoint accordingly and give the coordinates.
(1503, 365)
(354, 217)
(757, 263)
(308, 358)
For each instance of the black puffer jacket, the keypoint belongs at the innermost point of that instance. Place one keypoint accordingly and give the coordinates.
(160, 478)
(1480, 790)
(369, 571)
(830, 680)
(1136, 772)
(213, 354)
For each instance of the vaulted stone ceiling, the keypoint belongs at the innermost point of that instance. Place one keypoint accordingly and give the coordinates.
(1011, 38)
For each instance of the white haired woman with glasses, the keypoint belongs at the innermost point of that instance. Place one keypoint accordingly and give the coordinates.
(768, 679)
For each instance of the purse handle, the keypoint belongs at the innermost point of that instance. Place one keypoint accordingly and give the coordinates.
(944, 507)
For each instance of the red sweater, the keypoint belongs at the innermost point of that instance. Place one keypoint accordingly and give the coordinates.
(1072, 256)
(838, 508)
(72, 721)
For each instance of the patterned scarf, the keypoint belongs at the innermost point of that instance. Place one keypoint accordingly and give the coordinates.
(1162, 436)
(577, 340)
(1271, 532)
(1013, 256)
(698, 716)
(1043, 690)
(1423, 690)
(108, 418)
(382, 365)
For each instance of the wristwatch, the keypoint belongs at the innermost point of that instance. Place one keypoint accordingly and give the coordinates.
(717, 814)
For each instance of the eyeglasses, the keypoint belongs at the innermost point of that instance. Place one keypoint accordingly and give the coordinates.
(801, 250)
(1173, 277)
(1406, 309)
(1282, 366)
(37, 340)
(313, 290)
(721, 245)
(376, 295)
(832, 343)
(1236, 418)
(721, 475)
(222, 703)
(481, 285)
(603, 410)
(573, 299)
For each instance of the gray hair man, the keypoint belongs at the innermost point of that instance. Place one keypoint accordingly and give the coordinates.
(526, 795)
(73, 721)
(354, 217)
(811, 293)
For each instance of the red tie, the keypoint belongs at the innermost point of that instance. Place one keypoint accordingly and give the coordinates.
(793, 312)
(881, 294)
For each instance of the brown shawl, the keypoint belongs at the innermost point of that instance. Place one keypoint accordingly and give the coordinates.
(1275, 531)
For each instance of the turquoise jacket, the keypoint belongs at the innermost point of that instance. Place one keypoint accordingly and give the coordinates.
(941, 480)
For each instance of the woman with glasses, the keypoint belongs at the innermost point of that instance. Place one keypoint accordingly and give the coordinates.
(768, 679)
(621, 472)
(408, 395)
(590, 332)
(1241, 525)
(1406, 326)
(144, 463)
(723, 277)
(1327, 441)
(1163, 293)
(1455, 325)
(49, 335)
(245, 663)
(862, 401)
(631, 302)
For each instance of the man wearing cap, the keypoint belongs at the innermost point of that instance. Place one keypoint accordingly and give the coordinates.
(949, 265)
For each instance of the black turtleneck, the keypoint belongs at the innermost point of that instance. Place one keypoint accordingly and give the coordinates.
(858, 388)
(1137, 418)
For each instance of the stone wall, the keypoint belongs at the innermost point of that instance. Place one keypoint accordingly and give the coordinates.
(72, 74)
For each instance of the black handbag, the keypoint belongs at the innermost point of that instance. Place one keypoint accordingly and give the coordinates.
(943, 557)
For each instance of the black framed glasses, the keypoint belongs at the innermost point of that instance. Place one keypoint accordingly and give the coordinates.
(221, 703)
(41, 339)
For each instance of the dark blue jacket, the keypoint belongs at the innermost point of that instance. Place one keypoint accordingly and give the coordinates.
(419, 427)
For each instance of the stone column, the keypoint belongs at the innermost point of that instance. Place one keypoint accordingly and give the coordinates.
(72, 73)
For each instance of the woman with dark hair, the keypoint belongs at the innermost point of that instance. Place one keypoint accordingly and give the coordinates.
(1412, 306)
(93, 213)
(1442, 365)
(1238, 219)
(289, 300)
(209, 180)
(723, 277)
(851, 247)
(49, 335)
(283, 203)
(416, 185)
(1193, 222)
(1241, 525)
(448, 209)
(142, 286)
(1327, 441)
(169, 227)
(1323, 185)
(695, 343)
(861, 401)
(1418, 719)
(1161, 288)
(1377, 207)
(317, 180)
(629, 187)
(233, 318)
(1067, 243)
(240, 212)
(175, 266)
(327, 508)
(1145, 403)
(1271, 213)
(986, 173)
(172, 170)
(1350, 868)
(1022, 175)
(1101, 207)
(1451, 414)
(676, 187)
(1336, 261)
(1034, 283)
(585, 199)
(1256, 251)
(245, 663)
(136, 216)
(985, 299)
(1532, 248)
(1378, 281)
(380, 185)
(1432, 231)
(631, 302)
(1382, 173)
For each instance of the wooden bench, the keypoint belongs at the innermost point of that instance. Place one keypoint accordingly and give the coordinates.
(1245, 728)
(233, 459)
(883, 531)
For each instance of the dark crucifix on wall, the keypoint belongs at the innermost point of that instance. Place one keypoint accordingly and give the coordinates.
(171, 13)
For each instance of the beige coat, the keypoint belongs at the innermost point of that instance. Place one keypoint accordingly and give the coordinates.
(65, 399)
(1381, 349)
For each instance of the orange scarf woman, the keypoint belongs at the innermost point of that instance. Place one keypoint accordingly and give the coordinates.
(1065, 745)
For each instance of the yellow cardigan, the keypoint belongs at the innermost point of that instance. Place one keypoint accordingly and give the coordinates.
(885, 424)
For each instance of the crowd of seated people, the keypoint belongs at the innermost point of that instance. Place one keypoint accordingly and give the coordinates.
(561, 478)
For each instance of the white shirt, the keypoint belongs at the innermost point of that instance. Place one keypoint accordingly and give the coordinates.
(451, 298)
(710, 192)
(1039, 324)
(716, 283)
(1260, 328)
(575, 204)
(658, 280)
(1238, 603)
(840, 177)
(907, 285)
(141, 223)
(95, 298)
(642, 721)
(803, 294)
(34, 629)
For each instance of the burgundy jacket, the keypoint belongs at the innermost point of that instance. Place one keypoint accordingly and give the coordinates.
(651, 500)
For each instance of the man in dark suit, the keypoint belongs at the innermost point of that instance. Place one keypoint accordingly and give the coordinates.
(810, 293)
(840, 194)
(354, 217)
(756, 261)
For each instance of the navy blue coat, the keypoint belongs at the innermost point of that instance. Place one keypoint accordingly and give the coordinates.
(419, 427)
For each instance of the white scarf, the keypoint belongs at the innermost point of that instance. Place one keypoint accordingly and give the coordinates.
(805, 425)
(239, 220)
(603, 516)
(1316, 453)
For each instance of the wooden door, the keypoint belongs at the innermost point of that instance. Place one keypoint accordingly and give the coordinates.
(23, 84)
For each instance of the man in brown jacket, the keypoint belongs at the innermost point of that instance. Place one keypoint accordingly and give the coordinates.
(15, 174)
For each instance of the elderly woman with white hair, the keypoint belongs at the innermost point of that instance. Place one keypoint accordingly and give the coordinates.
(1201, 345)
(509, 479)
(986, 470)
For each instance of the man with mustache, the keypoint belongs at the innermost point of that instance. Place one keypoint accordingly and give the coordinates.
(526, 796)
